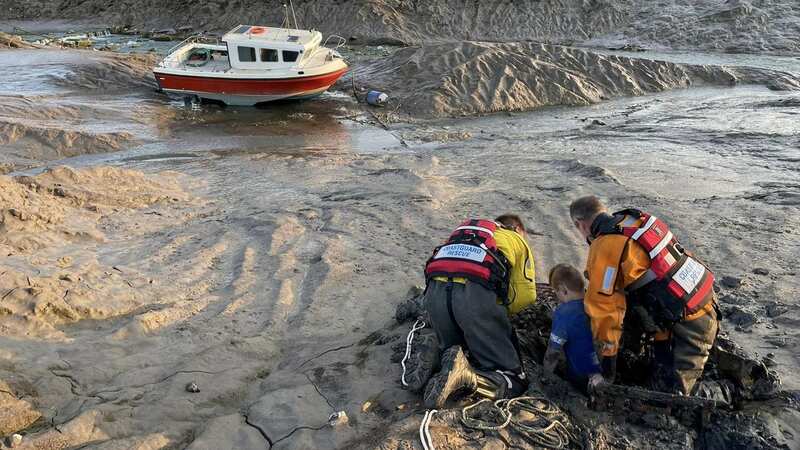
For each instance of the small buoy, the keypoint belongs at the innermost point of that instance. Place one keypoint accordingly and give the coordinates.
(376, 98)
(192, 387)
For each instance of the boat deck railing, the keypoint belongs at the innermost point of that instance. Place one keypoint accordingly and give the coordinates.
(339, 43)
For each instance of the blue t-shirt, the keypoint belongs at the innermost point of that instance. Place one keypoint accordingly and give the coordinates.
(571, 332)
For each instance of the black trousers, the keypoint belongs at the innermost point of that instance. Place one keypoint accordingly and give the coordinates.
(473, 319)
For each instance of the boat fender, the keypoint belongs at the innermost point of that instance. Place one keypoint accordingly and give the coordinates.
(376, 98)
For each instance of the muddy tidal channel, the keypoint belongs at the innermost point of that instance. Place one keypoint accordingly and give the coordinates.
(303, 225)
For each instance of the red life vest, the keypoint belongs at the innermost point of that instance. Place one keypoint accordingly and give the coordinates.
(471, 252)
(686, 278)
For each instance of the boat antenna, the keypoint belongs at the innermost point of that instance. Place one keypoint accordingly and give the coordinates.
(291, 5)
(285, 23)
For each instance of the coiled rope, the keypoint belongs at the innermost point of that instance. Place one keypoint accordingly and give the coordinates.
(418, 325)
(547, 428)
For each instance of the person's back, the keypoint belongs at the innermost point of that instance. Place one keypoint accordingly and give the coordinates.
(641, 277)
(571, 329)
(481, 275)
(571, 332)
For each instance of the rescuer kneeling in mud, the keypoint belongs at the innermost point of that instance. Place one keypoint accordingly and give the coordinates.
(571, 335)
(636, 268)
(475, 280)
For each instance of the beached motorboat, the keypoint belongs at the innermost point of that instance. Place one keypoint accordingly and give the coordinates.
(252, 64)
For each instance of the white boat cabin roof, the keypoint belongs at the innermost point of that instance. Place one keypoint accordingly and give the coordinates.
(280, 38)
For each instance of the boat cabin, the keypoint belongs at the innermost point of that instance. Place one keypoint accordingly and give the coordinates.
(255, 47)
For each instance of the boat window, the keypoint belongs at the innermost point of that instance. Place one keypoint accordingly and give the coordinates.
(269, 55)
(247, 54)
(289, 56)
(242, 29)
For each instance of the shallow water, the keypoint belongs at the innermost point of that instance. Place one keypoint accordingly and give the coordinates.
(746, 131)
(308, 223)
(790, 64)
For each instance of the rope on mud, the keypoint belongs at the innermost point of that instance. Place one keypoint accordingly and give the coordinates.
(418, 325)
(550, 430)
(425, 432)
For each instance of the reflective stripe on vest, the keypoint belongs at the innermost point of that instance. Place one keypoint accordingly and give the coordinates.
(470, 252)
(689, 280)
(470, 227)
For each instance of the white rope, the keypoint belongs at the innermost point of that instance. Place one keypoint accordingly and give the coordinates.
(425, 432)
(418, 325)
(554, 435)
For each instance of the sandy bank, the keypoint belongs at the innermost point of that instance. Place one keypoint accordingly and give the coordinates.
(470, 78)
(751, 26)
(63, 209)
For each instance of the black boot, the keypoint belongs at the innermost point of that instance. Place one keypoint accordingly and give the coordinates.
(456, 375)
(500, 384)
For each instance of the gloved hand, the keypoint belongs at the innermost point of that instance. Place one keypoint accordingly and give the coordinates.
(595, 380)
(608, 364)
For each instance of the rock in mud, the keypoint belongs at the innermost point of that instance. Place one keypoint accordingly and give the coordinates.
(741, 317)
(731, 282)
(734, 299)
(776, 309)
(760, 271)
(192, 387)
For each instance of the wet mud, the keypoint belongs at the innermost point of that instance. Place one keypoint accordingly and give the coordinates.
(260, 253)
(740, 26)
(271, 271)
(469, 78)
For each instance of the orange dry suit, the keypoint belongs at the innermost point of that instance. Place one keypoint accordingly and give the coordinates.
(634, 255)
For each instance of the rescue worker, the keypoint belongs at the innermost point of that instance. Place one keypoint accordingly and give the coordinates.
(481, 275)
(636, 267)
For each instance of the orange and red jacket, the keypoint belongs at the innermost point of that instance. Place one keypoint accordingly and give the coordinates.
(630, 250)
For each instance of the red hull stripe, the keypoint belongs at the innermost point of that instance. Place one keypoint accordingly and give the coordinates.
(239, 86)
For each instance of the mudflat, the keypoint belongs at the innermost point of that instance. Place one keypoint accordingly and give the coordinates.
(260, 253)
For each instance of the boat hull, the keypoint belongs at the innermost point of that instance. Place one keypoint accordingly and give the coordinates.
(246, 91)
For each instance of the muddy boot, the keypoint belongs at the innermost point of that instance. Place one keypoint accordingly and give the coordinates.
(456, 375)
(422, 362)
(499, 384)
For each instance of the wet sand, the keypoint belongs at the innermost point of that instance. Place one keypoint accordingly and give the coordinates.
(260, 253)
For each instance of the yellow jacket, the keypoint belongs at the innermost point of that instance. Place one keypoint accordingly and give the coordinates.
(614, 262)
(522, 277)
